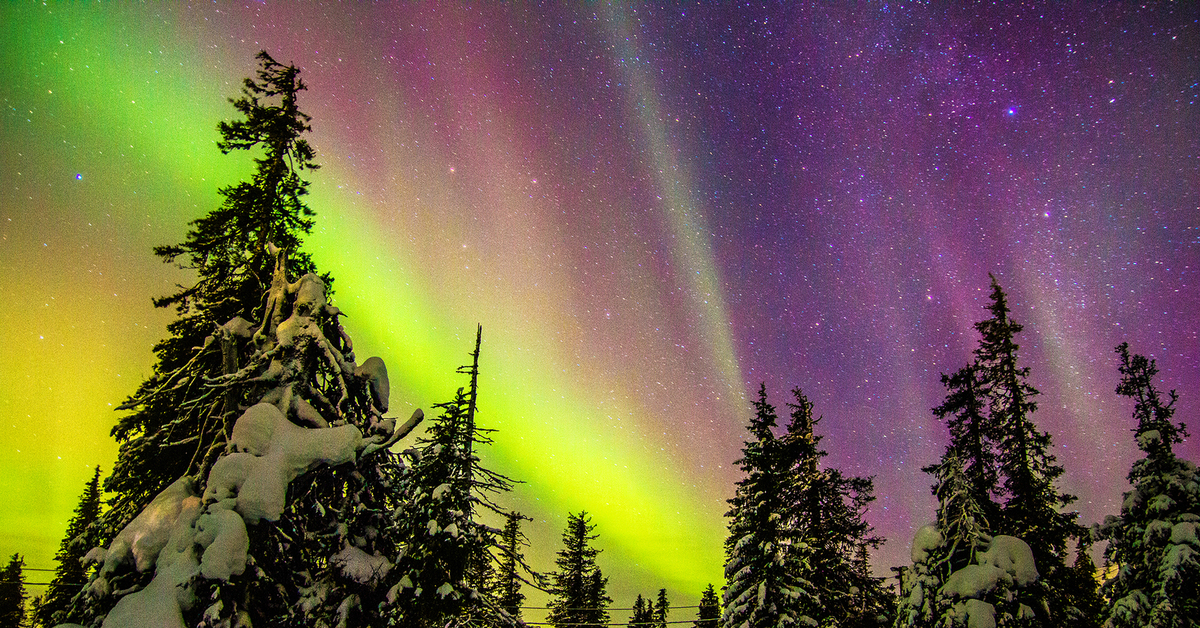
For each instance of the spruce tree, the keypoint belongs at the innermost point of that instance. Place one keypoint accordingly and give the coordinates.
(512, 562)
(12, 593)
(762, 552)
(1153, 542)
(282, 510)
(973, 434)
(70, 574)
(710, 609)
(578, 587)
(1032, 503)
(176, 425)
(290, 525)
(961, 574)
(643, 614)
(449, 559)
(826, 514)
(662, 607)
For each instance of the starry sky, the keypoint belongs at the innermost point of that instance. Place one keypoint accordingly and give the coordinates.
(650, 210)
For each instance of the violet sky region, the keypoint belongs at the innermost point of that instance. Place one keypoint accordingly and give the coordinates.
(650, 210)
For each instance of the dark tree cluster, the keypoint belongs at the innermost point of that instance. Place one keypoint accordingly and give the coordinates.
(795, 554)
(998, 552)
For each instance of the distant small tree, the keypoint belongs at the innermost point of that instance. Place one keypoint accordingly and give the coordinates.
(12, 593)
(643, 615)
(512, 563)
(1080, 583)
(710, 609)
(70, 574)
(578, 587)
(662, 608)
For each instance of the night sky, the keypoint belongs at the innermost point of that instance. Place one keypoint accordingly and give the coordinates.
(650, 210)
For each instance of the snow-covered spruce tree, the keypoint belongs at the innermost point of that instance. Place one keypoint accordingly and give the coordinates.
(578, 587)
(289, 525)
(961, 575)
(763, 569)
(643, 614)
(1031, 508)
(70, 574)
(825, 513)
(1153, 542)
(710, 609)
(12, 593)
(445, 575)
(177, 425)
(509, 576)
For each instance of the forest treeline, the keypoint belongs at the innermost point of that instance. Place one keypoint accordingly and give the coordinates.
(259, 481)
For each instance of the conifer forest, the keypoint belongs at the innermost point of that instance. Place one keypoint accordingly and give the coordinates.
(447, 315)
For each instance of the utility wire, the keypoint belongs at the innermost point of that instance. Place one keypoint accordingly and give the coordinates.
(619, 623)
(548, 608)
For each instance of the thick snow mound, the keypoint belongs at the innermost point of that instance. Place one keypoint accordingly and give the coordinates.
(145, 536)
(360, 566)
(927, 539)
(1008, 561)
(375, 372)
(1013, 556)
(271, 452)
(222, 534)
(162, 603)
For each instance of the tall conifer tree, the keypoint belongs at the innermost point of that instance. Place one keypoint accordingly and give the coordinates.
(1153, 542)
(1004, 462)
(449, 559)
(765, 588)
(1032, 504)
(826, 515)
(176, 425)
(281, 510)
(70, 574)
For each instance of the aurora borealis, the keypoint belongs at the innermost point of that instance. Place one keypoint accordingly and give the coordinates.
(650, 211)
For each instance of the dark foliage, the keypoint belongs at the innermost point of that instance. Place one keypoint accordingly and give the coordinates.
(176, 424)
(578, 587)
(12, 593)
(70, 574)
(1153, 542)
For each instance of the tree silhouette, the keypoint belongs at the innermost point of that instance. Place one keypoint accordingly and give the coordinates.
(1153, 542)
(578, 587)
(176, 424)
(70, 574)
